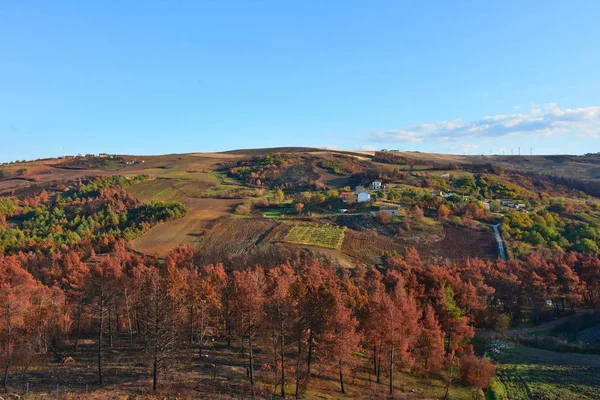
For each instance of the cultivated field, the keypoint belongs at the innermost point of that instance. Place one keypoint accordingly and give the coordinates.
(330, 237)
(528, 373)
(432, 242)
(460, 242)
(367, 247)
(231, 237)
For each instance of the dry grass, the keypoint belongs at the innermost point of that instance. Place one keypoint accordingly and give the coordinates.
(163, 238)
(128, 375)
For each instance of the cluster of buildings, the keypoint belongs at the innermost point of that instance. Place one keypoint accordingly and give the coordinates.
(361, 194)
(511, 204)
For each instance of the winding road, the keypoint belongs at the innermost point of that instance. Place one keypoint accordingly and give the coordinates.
(498, 237)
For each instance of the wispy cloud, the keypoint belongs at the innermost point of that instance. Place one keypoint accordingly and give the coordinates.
(545, 120)
(366, 147)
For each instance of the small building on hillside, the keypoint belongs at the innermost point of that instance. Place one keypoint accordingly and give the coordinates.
(445, 176)
(506, 202)
(376, 185)
(386, 210)
(512, 204)
(363, 197)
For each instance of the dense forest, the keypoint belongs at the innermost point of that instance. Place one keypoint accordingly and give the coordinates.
(99, 211)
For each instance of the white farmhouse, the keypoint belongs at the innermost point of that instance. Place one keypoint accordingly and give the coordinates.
(376, 185)
(364, 197)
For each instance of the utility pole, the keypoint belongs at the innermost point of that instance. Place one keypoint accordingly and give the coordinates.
(519, 151)
(531, 151)
(512, 153)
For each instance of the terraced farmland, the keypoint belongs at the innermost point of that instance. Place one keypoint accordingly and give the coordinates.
(330, 237)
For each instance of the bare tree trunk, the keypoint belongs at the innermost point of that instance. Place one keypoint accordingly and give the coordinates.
(100, 329)
(342, 378)
(8, 340)
(138, 326)
(79, 312)
(447, 393)
(201, 335)
(299, 356)
(5, 378)
(310, 351)
(155, 371)
(128, 320)
(192, 327)
(117, 325)
(110, 332)
(392, 371)
(379, 366)
(275, 363)
(250, 357)
(282, 355)
(228, 327)
(375, 360)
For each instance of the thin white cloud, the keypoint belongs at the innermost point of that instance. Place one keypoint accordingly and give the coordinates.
(546, 120)
(366, 147)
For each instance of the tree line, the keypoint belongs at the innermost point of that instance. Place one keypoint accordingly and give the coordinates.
(98, 211)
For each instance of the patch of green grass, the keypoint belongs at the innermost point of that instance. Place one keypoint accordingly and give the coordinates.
(199, 176)
(587, 218)
(155, 189)
(496, 390)
(543, 332)
(410, 188)
(429, 221)
(274, 212)
(223, 179)
(233, 191)
(330, 237)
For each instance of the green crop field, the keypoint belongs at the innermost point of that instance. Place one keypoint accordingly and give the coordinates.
(330, 237)
(528, 373)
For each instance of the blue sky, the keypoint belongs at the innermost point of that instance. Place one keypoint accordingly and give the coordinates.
(157, 77)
